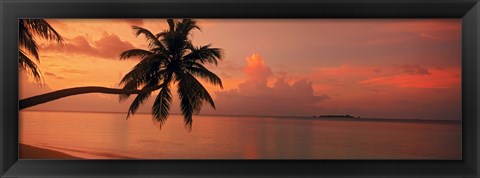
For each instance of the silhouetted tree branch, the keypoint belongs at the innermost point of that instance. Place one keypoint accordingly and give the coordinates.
(43, 98)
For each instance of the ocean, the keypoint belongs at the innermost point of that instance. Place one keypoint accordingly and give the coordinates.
(111, 136)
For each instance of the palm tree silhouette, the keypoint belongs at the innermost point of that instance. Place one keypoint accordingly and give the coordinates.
(171, 59)
(28, 29)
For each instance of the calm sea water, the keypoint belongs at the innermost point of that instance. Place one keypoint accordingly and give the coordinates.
(109, 135)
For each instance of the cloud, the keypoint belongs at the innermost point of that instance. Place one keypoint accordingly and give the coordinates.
(255, 97)
(73, 71)
(53, 75)
(437, 78)
(413, 69)
(361, 72)
(112, 46)
(389, 91)
(109, 46)
(396, 75)
(256, 76)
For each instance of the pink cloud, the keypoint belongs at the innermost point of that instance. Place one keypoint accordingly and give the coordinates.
(437, 78)
(109, 46)
(413, 69)
(53, 75)
(255, 97)
(347, 71)
(256, 74)
(357, 80)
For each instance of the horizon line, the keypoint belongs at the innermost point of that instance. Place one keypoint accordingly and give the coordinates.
(237, 115)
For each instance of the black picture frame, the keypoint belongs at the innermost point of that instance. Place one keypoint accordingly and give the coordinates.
(12, 10)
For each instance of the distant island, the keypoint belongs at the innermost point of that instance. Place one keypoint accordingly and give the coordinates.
(338, 116)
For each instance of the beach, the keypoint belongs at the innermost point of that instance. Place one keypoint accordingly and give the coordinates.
(32, 152)
(50, 152)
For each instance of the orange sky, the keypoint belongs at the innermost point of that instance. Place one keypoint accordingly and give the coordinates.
(387, 68)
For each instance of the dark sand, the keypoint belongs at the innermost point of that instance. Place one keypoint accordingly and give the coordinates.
(31, 152)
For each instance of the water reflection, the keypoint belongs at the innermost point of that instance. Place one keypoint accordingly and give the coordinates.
(106, 135)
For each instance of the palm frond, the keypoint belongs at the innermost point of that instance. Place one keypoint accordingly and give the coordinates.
(204, 54)
(161, 106)
(202, 72)
(152, 40)
(42, 28)
(189, 104)
(192, 95)
(133, 85)
(148, 66)
(27, 41)
(137, 102)
(176, 39)
(186, 26)
(171, 24)
(200, 91)
(28, 65)
(144, 72)
(161, 34)
(141, 53)
(153, 81)
(130, 85)
(27, 44)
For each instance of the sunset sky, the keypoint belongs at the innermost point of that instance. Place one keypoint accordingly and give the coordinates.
(381, 68)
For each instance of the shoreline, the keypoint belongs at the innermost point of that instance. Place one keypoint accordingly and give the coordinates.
(27, 151)
(32, 152)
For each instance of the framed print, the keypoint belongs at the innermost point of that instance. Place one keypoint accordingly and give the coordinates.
(315, 102)
(239, 88)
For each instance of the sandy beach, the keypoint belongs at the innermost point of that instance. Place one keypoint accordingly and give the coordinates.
(27, 151)
(32, 152)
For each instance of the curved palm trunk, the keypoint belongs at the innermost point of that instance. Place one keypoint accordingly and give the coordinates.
(43, 98)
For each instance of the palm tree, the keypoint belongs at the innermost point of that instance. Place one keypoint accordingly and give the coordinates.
(171, 59)
(27, 44)
(28, 29)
